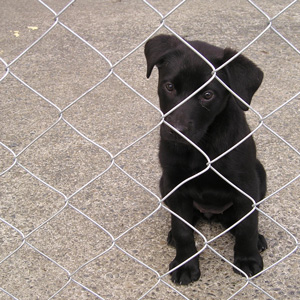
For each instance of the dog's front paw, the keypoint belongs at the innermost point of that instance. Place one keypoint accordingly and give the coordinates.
(250, 265)
(187, 273)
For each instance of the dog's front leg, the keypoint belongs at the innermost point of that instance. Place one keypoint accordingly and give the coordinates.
(183, 238)
(246, 250)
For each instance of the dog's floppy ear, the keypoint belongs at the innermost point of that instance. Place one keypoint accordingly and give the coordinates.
(244, 77)
(156, 48)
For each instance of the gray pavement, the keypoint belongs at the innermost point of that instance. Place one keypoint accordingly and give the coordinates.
(70, 189)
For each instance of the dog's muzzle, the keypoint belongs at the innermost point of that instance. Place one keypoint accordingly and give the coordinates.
(168, 133)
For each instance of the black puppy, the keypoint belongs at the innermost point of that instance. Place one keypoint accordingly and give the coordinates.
(213, 119)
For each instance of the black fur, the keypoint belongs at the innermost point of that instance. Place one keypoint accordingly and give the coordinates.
(214, 120)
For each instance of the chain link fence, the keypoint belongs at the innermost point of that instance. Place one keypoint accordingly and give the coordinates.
(81, 216)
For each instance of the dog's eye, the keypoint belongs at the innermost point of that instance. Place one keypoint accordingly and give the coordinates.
(208, 95)
(170, 86)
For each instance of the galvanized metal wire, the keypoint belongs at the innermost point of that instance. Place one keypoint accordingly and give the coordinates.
(160, 278)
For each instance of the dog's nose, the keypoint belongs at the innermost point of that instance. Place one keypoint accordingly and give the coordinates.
(176, 123)
(182, 129)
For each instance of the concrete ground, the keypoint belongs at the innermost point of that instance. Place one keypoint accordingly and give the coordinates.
(73, 195)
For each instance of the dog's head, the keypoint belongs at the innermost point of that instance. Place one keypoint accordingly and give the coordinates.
(182, 72)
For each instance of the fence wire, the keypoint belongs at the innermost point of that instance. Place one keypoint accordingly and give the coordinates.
(100, 234)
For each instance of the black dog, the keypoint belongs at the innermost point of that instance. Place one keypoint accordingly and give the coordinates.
(213, 119)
